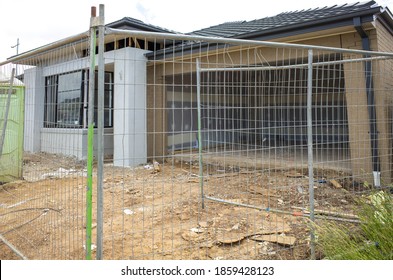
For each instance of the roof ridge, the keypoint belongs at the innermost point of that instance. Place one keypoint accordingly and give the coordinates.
(141, 23)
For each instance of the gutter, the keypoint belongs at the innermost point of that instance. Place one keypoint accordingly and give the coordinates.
(51, 46)
(370, 103)
(386, 18)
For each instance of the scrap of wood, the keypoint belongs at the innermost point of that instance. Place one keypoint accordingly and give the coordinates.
(294, 175)
(281, 229)
(283, 240)
(336, 184)
(327, 212)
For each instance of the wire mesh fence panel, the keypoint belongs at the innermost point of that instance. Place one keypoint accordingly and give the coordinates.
(213, 148)
(43, 209)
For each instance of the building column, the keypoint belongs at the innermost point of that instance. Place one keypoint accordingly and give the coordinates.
(34, 108)
(129, 118)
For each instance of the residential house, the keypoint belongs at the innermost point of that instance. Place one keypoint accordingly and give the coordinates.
(56, 100)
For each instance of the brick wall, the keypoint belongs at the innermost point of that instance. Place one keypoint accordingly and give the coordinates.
(383, 82)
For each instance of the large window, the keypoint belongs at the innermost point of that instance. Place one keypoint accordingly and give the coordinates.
(66, 97)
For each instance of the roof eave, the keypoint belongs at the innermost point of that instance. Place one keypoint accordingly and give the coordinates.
(386, 18)
(47, 47)
(306, 27)
(311, 26)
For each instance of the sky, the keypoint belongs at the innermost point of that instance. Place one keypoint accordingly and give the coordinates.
(39, 22)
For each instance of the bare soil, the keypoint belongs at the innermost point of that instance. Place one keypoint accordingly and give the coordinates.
(156, 212)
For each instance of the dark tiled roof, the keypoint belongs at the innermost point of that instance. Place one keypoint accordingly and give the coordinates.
(136, 24)
(280, 21)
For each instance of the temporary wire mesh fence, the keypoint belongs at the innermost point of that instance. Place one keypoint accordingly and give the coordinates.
(214, 148)
(43, 208)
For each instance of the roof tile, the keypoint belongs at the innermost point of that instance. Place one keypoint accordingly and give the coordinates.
(238, 28)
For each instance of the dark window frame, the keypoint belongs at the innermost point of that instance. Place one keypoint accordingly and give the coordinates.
(51, 101)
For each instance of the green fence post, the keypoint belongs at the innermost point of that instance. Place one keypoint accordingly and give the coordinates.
(90, 136)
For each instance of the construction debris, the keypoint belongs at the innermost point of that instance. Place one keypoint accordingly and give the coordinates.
(294, 174)
(62, 172)
(279, 239)
(336, 184)
(155, 167)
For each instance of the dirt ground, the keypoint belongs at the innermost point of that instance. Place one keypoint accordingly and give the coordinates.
(156, 211)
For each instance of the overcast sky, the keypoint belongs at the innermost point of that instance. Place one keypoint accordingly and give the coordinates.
(39, 22)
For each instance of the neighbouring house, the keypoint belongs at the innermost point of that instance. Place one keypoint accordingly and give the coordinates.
(56, 89)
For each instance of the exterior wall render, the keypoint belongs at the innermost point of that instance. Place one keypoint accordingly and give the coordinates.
(129, 118)
(34, 108)
(53, 141)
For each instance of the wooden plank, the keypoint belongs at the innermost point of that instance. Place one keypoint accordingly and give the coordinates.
(327, 213)
(336, 184)
(283, 240)
(294, 174)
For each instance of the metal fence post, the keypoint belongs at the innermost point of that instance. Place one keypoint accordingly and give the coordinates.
(90, 134)
(310, 149)
(254, 155)
(198, 69)
(100, 131)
